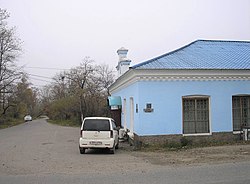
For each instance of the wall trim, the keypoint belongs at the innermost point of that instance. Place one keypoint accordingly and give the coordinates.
(134, 75)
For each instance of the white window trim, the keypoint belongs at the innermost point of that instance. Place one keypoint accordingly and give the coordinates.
(131, 115)
(237, 132)
(198, 134)
(124, 113)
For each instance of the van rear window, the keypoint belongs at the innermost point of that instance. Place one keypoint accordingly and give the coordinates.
(96, 125)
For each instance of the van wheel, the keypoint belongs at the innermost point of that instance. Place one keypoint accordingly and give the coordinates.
(117, 146)
(112, 150)
(82, 150)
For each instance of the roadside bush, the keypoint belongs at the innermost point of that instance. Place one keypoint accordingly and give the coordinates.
(9, 122)
(185, 142)
(172, 145)
(71, 123)
(167, 145)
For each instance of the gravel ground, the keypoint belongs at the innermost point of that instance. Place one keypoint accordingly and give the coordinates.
(38, 147)
(198, 156)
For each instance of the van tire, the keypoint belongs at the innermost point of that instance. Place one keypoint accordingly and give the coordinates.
(117, 146)
(82, 150)
(112, 150)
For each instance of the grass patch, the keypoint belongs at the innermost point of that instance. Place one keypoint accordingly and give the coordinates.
(157, 147)
(10, 123)
(185, 144)
(68, 123)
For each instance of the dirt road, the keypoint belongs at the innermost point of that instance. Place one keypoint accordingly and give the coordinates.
(38, 147)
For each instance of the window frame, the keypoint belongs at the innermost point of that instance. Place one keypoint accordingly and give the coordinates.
(195, 97)
(233, 108)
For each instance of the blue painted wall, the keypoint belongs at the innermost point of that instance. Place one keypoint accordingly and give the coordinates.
(126, 93)
(166, 100)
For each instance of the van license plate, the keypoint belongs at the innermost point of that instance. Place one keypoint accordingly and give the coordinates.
(95, 143)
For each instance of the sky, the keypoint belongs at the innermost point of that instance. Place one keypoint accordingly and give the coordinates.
(59, 34)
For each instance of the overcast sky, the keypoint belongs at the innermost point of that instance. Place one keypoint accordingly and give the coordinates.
(60, 33)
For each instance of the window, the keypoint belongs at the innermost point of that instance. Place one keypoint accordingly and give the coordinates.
(195, 114)
(148, 105)
(148, 108)
(96, 125)
(241, 112)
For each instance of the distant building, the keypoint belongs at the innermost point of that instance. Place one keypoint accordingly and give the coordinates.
(199, 89)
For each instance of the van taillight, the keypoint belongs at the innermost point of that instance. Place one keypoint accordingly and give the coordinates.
(81, 133)
(111, 133)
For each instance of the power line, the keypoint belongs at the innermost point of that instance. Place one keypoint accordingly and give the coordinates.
(39, 76)
(40, 79)
(35, 85)
(46, 68)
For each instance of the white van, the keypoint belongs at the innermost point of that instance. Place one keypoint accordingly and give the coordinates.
(98, 132)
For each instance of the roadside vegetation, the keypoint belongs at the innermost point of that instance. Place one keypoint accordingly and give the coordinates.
(17, 98)
(185, 144)
(167, 146)
(82, 91)
(11, 122)
(68, 123)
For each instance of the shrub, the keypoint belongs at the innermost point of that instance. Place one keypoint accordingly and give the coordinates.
(185, 142)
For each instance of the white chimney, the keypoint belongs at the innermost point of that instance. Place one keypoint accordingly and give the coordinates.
(124, 62)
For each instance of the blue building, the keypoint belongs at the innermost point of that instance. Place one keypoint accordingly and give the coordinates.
(199, 89)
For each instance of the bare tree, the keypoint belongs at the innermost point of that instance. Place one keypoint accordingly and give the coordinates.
(84, 88)
(79, 81)
(10, 48)
(105, 76)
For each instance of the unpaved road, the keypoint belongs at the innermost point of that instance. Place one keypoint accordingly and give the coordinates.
(40, 147)
(39, 152)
